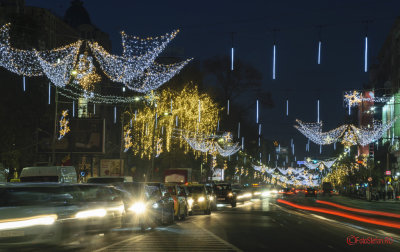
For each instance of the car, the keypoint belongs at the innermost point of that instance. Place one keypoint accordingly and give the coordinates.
(213, 196)
(163, 203)
(54, 214)
(288, 192)
(327, 188)
(225, 194)
(61, 174)
(310, 192)
(179, 197)
(109, 179)
(198, 199)
(138, 207)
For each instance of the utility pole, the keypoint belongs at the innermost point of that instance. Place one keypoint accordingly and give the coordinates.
(53, 145)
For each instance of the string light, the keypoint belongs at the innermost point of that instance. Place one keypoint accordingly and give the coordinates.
(29, 62)
(136, 68)
(64, 127)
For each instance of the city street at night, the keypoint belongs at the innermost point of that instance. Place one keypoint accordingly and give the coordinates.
(199, 125)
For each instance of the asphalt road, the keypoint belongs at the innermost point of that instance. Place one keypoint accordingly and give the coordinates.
(257, 225)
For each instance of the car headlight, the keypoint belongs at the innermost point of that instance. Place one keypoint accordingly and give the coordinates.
(274, 191)
(266, 194)
(190, 201)
(257, 193)
(230, 194)
(155, 205)
(91, 213)
(201, 199)
(211, 197)
(28, 222)
(138, 207)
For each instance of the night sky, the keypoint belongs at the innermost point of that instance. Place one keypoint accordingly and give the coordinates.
(206, 28)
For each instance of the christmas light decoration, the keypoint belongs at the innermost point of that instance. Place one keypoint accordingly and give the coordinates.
(127, 138)
(64, 127)
(313, 131)
(185, 108)
(136, 68)
(319, 52)
(35, 63)
(86, 75)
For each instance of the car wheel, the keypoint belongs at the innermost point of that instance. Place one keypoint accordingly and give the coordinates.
(233, 204)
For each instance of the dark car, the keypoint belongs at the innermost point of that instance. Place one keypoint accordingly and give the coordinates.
(288, 192)
(327, 188)
(310, 192)
(225, 194)
(213, 196)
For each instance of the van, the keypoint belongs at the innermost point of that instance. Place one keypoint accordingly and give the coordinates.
(60, 174)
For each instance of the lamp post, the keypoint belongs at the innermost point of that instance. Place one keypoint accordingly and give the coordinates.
(156, 119)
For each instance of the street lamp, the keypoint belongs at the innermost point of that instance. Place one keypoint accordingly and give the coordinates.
(156, 119)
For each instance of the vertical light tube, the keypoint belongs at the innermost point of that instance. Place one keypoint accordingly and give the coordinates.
(259, 141)
(238, 130)
(318, 111)
(274, 62)
(366, 54)
(49, 92)
(293, 149)
(94, 108)
(115, 114)
(218, 126)
(287, 107)
(259, 129)
(257, 111)
(232, 54)
(130, 123)
(73, 108)
(320, 149)
(349, 109)
(334, 145)
(23, 83)
(243, 144)
(269, 157)
(162, 130)
(176, 121)
(156, 122)
(228, 108)
(135, 114)
(319, 52)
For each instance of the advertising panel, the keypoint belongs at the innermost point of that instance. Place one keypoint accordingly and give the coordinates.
(111, 167)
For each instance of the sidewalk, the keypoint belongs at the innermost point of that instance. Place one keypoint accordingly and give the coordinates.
(381, 205)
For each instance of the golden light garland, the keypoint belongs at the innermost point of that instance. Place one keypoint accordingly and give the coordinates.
(64, 127)
(127, 138)
(175, 109)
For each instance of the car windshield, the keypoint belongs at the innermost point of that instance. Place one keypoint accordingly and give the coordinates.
(195, 189)
(105, 180)
(222, 187)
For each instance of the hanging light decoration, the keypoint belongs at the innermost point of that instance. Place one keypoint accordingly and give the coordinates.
(64, 127)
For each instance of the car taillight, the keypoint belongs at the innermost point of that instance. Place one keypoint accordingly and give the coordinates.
(306, 191)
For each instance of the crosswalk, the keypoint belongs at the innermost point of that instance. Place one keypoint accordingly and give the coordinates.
(178, 237)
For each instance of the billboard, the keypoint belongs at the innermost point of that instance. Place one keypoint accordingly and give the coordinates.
(218, 175)
(87, 135)
(111, 167)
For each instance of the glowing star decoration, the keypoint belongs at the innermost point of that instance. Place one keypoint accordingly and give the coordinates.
(86, 75)
(352, 98)
(64, 127)
(127, 138)
(225, 165)
(151, 98)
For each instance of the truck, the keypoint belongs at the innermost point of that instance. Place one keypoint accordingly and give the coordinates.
(178, 175)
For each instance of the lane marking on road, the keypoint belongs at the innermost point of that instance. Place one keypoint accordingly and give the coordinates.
(340, 224)
(120, 242)
(219, 238)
